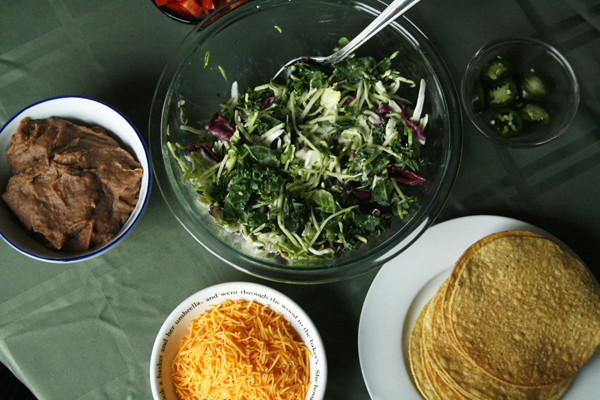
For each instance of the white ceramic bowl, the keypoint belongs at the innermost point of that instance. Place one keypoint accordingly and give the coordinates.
(176, 326)
(87, 111)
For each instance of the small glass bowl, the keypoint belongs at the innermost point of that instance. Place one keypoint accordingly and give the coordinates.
(524, 54)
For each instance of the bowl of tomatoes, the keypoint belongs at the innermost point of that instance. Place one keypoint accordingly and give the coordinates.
(190, 11)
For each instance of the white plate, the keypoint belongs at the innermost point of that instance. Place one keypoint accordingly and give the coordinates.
(401, 289)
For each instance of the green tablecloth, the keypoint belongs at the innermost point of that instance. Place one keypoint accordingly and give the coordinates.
(85, 331)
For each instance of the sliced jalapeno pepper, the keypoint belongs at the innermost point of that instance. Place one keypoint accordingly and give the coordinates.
(496, 69)
(533, 112)
(507, 122)
(532, 86)
(503, 93)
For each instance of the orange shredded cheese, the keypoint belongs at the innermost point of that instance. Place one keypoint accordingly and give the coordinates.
(241, 350)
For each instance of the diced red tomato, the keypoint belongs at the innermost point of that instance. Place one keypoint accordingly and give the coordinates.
(188, 8)
(192, 7)
(207, 4)
(177, 8)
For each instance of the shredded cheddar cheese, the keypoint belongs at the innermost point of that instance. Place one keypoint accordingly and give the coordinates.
(241, 350)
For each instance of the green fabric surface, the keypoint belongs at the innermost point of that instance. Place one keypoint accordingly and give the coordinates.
(85, 330)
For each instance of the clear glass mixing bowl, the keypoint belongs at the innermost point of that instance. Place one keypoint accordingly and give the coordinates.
(249, 44)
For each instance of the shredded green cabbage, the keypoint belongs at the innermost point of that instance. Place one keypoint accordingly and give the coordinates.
(313, 167)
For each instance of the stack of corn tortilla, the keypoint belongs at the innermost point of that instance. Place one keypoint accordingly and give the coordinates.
(516, 319)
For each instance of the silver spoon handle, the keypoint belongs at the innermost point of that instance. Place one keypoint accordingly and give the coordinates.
(391, 12)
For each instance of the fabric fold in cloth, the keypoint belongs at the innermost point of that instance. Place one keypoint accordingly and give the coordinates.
(70, 312)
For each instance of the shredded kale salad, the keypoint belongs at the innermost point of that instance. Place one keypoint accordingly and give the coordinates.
(311, 168)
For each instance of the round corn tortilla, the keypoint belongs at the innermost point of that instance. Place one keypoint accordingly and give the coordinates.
(443, 383)
(441, 387)
(461, 373)
(523, 309)
(416, 360)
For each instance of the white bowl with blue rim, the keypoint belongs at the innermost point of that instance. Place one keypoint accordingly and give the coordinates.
(87, 111)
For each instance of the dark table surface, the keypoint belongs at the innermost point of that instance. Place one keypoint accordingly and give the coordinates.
(85, 330)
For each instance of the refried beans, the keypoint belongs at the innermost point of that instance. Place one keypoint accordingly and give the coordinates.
(72, 186)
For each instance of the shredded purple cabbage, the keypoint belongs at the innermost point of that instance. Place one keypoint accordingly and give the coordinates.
(362, 195)
(349, 100)
(383, 110)
(267, 101)
(193, 147)
(412, 125)
(405, 176)
(409, 177)
(219, 127)
(376, 212)
(205, 149)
